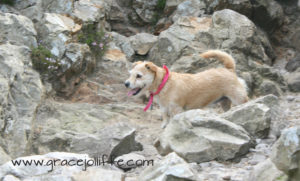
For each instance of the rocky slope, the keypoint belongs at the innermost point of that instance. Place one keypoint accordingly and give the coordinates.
(63, 64)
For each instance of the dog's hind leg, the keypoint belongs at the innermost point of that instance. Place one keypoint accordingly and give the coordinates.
(238, 95)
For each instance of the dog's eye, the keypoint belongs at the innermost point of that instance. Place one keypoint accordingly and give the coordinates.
(138, 76)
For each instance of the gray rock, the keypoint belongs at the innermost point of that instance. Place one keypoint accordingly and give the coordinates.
(123, 43)
(241, 6)
(10, 178)
(293, 64)
(267, 171)
(130, 160)
(55, 30)
(224, 30)
(17, 29)
(58, 6)
(3, 157)
(171, 167)
(269, 87)
(285, 152)
(200, 136)
(83, 128)
(145, 9)
(267, 14)
(95, 174)
(255, 116)
(189, 8)
(172, 4)
(21, 93)
(88, 11)
(294, 81)
(76, 63)
(142, 42)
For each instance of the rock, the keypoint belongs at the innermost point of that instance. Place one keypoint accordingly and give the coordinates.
(285, 153)
(269, 87)
(171, 5)
(123, 43)
(55, 31)
(241, 6)
(10, 178)
(293, 64)
(223, 30)
(58, 6)
(200, 136)
(3, 156)
(142, 43)
(17, 29)
(95, 174)
(171, 167)
(189, 8)
(295, 40)
(255, 116)
(294, 81)
(266, 171)
(88, 11)
(76, 64)
(130, 160)
(267, 14)
(83, 128)
(21, 93)
(145, 9)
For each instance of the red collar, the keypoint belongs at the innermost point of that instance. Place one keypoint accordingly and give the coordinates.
(160, 87)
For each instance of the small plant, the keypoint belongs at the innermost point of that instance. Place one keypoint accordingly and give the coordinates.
(9, 2)
(160, 5)
(96, 40)
(44, 61)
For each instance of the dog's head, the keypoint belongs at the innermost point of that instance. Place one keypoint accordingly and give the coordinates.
(141, 77)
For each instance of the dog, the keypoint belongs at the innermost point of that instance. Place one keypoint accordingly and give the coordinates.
(183, 91)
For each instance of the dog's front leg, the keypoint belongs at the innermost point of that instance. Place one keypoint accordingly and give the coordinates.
(165, 117)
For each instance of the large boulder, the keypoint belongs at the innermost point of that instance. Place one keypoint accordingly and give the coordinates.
(21, 93)
(200, 136)
(142, 43)
(171, 167)
(267, 171)
(76, 64)
(55, 31)
(255, 116)
(3, 157)
(285, 152)
(17, 29)
(223, 30)
(83, 128)
(89, 11)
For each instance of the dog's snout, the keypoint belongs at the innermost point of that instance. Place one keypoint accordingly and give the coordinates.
(127, 84)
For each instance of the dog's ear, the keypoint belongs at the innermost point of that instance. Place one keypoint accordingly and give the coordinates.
(136, 63)
(151, 66)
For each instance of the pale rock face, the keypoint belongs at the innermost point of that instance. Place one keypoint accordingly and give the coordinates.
(88, 11)
(171, 166)
(21, 93)
(17, 29)
(142, 43)
(207, 136)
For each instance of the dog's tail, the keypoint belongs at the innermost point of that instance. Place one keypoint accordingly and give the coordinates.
(227, 59)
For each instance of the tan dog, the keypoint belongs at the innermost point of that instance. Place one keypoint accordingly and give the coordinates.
(188, 91)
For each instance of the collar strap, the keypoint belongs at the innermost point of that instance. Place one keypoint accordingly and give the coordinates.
(160, 87)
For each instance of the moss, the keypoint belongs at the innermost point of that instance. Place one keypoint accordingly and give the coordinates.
(43, 60)
(96, 40)
(8, 2)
